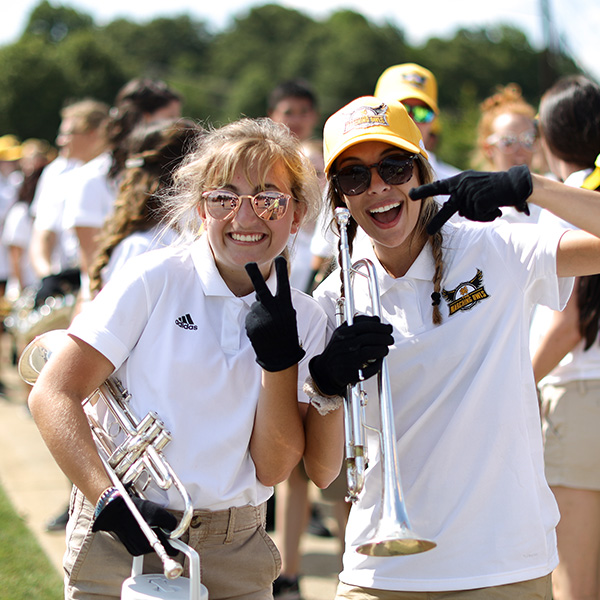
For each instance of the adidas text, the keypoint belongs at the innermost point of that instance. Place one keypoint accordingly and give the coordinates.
(185, 322)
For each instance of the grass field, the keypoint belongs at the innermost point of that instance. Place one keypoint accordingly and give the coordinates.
(25, 571)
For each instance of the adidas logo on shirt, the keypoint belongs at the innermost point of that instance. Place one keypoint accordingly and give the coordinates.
(186, 322)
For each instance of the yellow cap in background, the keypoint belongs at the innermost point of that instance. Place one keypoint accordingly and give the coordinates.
(408, 80)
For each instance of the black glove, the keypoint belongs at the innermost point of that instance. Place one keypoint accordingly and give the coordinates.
(117, 517)
(67, 281)
(478, 195)
(271, 322)
(360, 346)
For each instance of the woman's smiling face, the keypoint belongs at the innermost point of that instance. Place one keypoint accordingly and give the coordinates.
(246, 237)
(384, 211)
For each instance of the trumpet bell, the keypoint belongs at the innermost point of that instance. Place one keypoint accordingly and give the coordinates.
(37, 353)
(404, 542)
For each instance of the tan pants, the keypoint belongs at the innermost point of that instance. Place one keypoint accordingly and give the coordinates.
(238, 560)
(535, 589)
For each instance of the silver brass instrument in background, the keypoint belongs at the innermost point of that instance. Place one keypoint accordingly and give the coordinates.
(25, 321)
(393, 535)
(138, 460)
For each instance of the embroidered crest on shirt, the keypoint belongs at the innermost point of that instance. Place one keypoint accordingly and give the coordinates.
(466, 295)
(185, 322)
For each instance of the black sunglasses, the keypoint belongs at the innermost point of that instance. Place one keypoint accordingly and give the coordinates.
(356, 179)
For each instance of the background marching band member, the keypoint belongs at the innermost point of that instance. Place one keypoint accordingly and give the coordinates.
(465, 406)
(567, 360)
(183, 331)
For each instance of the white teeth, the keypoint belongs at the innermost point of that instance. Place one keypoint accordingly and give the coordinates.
(256, 237)
(382, 209)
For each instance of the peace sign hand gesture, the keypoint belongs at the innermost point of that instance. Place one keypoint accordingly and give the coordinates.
(271, 322)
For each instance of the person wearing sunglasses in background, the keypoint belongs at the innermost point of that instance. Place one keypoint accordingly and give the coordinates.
(459, 297)
(416, 87)
(223, 367)
(566, 357)
(507, 137)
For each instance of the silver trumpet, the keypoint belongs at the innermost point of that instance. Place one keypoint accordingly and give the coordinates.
(138, 460)
(393, 535)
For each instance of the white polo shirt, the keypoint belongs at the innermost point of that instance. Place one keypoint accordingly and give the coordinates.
(91, 194)
(176, 335)
(135, 244)
(47, 185)
(466, 414)
(579, 364)
(49, 216)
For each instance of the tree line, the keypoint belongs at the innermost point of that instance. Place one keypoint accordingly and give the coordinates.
(63, 54)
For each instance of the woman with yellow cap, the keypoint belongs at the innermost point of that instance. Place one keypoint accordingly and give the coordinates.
(458, 296)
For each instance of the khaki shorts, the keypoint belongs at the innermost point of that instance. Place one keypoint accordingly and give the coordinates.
(571, 425)
(238, 559)
(535, 589)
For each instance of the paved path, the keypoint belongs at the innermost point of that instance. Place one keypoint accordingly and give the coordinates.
(39, 491)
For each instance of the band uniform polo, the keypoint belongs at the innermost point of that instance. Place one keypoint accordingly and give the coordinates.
(176, 335)
(481, 496)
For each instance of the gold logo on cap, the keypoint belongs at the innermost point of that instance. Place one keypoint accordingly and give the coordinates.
(466, 295)
(367, 116)
(415, 80)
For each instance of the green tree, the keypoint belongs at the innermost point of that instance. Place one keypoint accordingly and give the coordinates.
(90, 68)
(351, 57)
(54, 23)
(160, 46)
(253, 56)
(33, 89)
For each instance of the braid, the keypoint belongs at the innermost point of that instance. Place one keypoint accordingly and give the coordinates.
(429, 209)
(436, 248)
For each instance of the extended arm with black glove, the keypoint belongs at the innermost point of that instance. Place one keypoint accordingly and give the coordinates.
(478, 196)
(116, 517)
(361, 346)
(271, 323)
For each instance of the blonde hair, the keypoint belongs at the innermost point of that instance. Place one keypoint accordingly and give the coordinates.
(253, 143)
(506, 100)
(429, 207)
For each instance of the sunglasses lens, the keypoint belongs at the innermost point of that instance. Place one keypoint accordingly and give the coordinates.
(421, 114)
(353, 180)
(510, 143)
(356, 179)
(528, 140)
(395, 171)
(220, 204)
(271, 206)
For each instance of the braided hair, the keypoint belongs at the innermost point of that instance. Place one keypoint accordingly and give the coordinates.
(155, 151)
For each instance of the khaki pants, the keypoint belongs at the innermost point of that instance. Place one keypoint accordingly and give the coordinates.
(238, 560)
(535, 589)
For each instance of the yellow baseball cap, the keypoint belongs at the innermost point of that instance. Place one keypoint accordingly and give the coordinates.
(406, 81)
(369, 119)
(10, 148)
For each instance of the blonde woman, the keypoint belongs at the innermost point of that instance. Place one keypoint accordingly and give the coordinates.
(183, 330)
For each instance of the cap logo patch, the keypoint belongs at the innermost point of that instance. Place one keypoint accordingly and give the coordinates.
(366, 116)
(415, 80)
(466, 295)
